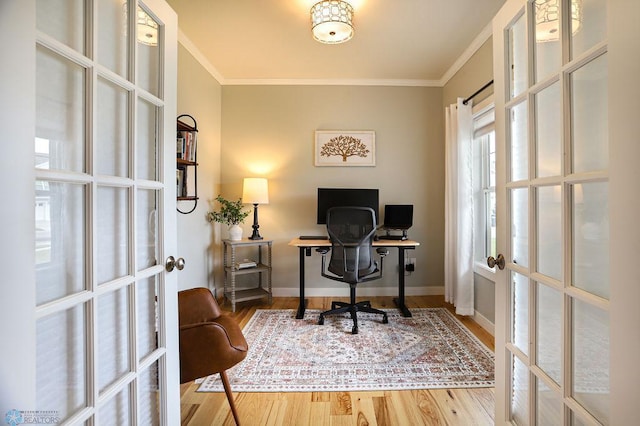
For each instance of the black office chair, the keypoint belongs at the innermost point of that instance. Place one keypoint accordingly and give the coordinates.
(351, 231)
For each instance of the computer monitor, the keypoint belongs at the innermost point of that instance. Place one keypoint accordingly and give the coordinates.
(345, 197)
(398, 216)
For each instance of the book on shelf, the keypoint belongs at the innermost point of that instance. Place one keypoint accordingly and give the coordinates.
(187, 145)
(180, 182)
(245, 264)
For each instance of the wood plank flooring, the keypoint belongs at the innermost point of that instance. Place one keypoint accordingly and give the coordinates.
(383, 408)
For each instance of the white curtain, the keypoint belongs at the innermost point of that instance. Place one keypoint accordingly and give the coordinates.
(458, 244)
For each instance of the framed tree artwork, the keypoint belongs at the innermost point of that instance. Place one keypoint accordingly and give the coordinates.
(345, 148)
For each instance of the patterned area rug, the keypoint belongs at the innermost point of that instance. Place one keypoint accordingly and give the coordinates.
(432, 349)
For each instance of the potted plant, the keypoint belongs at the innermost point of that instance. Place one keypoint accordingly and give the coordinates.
(230, 213)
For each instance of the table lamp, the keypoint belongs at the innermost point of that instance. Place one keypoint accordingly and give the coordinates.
(255, 191)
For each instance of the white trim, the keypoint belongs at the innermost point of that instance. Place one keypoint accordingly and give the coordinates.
(483, 322)
(362, 291)
(484, 271)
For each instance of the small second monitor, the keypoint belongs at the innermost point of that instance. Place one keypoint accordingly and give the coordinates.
(398, 216)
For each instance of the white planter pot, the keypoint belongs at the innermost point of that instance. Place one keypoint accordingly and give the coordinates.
(235, 232)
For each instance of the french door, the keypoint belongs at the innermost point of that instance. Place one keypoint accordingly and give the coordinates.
(97, 309)
(556, 298)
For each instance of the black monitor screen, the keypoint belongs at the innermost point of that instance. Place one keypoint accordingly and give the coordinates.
(345, 197)
(398, 216)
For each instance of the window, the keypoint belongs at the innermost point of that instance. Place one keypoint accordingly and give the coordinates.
(484, 184)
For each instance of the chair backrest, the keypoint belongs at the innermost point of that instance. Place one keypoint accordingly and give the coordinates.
(351, 231)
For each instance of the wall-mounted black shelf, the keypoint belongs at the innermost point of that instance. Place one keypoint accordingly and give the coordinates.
(186, 163)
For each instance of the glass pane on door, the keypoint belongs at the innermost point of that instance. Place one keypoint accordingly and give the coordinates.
(112, 135)
(113, 233)
(116, 412)
(113, 337)
(549, 230)
(60, 112)
(147, 136)
(520, 226)
(589, 116)
(590, 240)
(549, 331)
(147, 228)
(146, 301)
(520, 312)
(547, 35)
(63, 20)
(149, 395)
(519, 146)
(519, 392)
(588, 24)
(590, 376)
(148, 52)
(549, 405)
(548, 131)
(113, 37)
(518, 81)
(60, 240)
(61, 340)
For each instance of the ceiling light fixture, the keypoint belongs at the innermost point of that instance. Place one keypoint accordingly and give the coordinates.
(332, 21)
(547, 15)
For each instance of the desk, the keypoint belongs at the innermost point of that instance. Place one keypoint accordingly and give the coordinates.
(305, 247)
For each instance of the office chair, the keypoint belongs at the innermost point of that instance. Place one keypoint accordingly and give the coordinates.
(209, 341)
(351, 231)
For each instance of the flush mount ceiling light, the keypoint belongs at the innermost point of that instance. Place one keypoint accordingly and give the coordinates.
(332, 21)
(548, 18)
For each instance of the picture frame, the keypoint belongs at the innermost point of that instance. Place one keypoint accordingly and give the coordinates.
(345, 148)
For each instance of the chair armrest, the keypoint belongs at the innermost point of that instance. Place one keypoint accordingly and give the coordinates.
(382, 251)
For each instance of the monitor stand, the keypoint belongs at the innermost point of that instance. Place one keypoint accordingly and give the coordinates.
(402, 237)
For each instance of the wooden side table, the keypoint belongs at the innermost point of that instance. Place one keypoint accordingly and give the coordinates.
(233, 268)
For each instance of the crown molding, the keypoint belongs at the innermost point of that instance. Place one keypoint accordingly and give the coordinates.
(333, 82)
(197, 54)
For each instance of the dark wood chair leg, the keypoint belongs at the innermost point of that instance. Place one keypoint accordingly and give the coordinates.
(227, 390)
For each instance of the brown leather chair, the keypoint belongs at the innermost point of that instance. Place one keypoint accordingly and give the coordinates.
(209, 341)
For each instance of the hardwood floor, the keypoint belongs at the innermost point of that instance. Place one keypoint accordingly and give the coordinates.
(414, 407)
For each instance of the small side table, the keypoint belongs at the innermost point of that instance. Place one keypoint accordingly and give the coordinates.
(232, 269)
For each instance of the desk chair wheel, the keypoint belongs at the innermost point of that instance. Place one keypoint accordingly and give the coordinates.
(354, 330)
(385, 319)
(321, 320)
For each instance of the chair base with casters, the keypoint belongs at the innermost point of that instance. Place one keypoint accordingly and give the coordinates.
(353, 308)
(210, 342)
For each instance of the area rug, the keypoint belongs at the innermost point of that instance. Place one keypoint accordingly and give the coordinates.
(429, 350)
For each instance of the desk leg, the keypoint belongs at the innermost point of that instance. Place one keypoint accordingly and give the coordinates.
(400, 300)
(302, 304)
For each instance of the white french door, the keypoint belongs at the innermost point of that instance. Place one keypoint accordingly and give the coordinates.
(97, 310)
(556, 297)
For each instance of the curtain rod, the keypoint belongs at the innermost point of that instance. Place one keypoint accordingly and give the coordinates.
(477, 92)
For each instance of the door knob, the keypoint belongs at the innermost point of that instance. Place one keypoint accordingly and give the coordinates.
(172, 263)
(493, 262)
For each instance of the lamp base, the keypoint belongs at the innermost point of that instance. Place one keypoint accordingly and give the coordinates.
(255, 226)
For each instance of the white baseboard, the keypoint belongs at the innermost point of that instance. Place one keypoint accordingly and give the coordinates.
(483, 322)
(362, 291)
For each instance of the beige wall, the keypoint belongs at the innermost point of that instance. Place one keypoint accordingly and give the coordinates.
(475, 73)
(199, 95)
(269, 131)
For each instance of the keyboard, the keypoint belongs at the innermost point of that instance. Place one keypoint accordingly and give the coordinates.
(314, 237)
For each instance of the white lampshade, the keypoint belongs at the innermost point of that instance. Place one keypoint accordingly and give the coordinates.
(332, 21)
(255, 191)
(547, 16)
